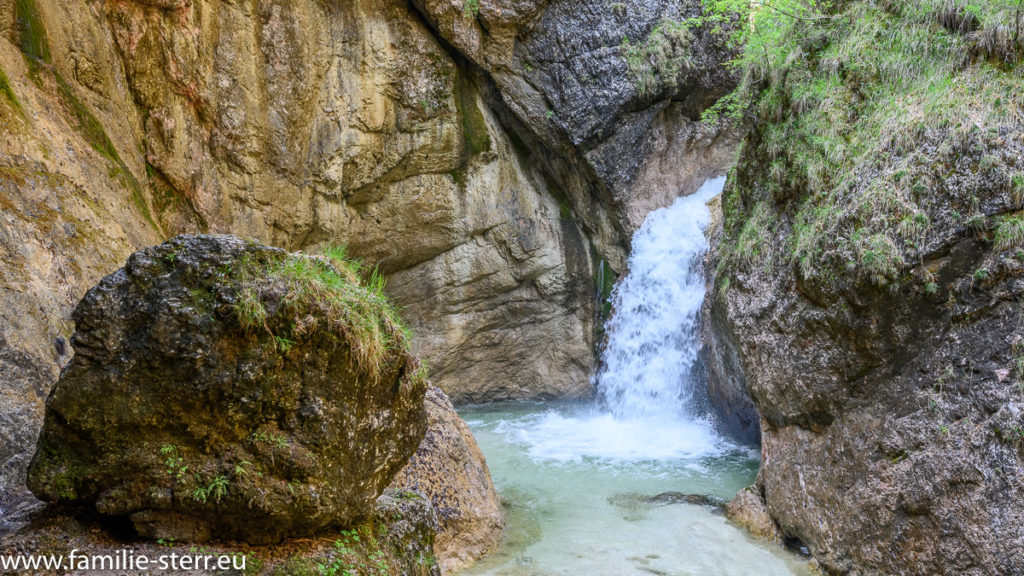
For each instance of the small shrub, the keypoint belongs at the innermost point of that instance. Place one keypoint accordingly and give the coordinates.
(978, 223)
(1017, 188)
(914, 228)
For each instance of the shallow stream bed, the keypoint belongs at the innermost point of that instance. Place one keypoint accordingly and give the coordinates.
(576, 485)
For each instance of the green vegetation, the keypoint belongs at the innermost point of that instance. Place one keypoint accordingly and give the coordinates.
(470, 8)
(897, 456)
(31, 33)
(1009, 234)
(87, 124)
(656, 62)
(476, 138)
(751, 242)
(604, 283)
(364, 550)
(276, 440)
(175, 463)
(217, 489)
(859, 113)
(1017, 188)
(7, 92)
(321, 292)
(202, 490)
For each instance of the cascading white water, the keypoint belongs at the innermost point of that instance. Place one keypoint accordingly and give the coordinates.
(645, 382)
(653, 335)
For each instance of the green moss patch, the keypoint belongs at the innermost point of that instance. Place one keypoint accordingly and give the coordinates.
(86, 123)
(364, 550)
(31, 32)
(474, 127)
(7, 92)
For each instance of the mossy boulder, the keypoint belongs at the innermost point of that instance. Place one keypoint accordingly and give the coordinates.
(225, 389)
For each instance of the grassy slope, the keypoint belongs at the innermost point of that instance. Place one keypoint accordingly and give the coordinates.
(873, 125)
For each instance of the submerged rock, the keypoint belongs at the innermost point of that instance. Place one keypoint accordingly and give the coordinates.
(451, 471)
(669, 498)
(224, 389)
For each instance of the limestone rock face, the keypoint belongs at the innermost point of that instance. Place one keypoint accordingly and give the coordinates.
(613, 91)
(747, 509)
(449, 469)
(69, 213)
(726, 381)
(303, 123)
(219, 390)
(493, 177)
(889, 415)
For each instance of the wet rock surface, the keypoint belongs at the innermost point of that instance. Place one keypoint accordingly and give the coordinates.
(747, 510)
(668, 498)
(451, 472)
(214, 394)
(726, 380)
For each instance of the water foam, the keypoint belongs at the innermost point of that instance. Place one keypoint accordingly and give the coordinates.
(653, 335)
(559, 437)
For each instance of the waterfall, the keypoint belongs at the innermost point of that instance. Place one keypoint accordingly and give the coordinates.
(653, 334)
(645, 383)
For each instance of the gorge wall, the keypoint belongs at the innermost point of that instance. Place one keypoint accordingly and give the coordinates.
(491, 158)
(869, 286)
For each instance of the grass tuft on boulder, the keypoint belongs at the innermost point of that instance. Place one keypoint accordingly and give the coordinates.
(309, 292)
